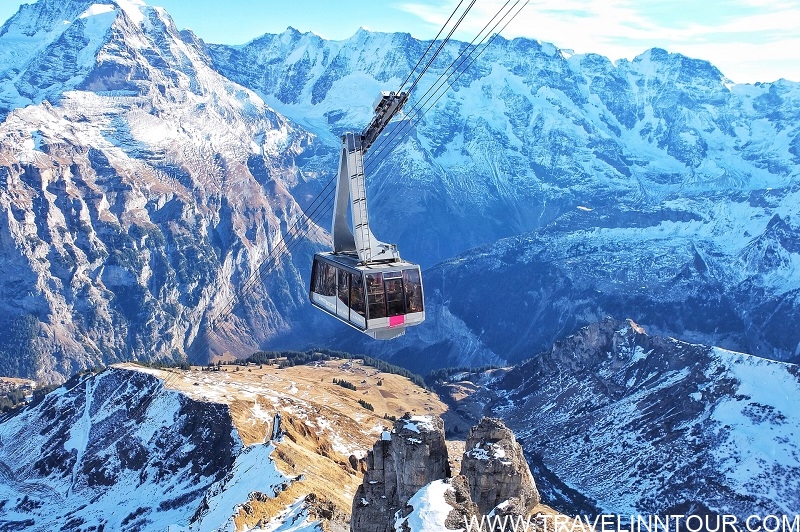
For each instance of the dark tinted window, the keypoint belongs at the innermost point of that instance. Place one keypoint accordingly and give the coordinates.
(357, 294)
(343, 287)
(413, 285)
(377, 303)
(395, 302)
(323, 281)
(315, 277)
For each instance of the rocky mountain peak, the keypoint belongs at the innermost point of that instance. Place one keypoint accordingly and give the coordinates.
(51, 47)
(643, 421)
(45, 16)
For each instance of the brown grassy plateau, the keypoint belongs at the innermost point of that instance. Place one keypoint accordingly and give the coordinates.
(323, 424)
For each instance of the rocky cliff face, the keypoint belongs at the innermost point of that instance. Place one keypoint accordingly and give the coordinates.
(135, 206)
(496, 470)
(400, 464)
(407, 485)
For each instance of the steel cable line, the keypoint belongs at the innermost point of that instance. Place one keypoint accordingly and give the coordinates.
(291, 234)
(441, 46)
(382, 141)
(477, 56)
(411, 73)
(419, 103)
(287, 245)
(289, 240)
(403, 130)
(310, 215)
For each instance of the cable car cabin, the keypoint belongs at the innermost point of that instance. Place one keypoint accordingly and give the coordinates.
(379, 299)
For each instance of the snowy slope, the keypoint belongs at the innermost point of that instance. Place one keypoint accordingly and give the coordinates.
(714, 271)
(430, 509)
(618, 421)
(125, 450)
(252, 448)
(120, 451)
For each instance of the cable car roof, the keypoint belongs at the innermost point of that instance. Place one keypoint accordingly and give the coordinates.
(351, 261)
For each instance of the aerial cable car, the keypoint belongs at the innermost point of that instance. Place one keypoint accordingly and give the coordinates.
(363, 282)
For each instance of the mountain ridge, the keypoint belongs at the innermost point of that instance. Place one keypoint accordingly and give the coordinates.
(613, 419)
(194, 159)
(242, 447)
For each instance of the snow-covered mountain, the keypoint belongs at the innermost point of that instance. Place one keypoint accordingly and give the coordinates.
(528, 132)
(655, 188)
(618, 421)
(611, 420)
(140, 191)
(723, 271)
(151, 173)
(119, 451)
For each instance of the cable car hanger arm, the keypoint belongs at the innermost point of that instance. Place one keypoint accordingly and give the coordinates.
(386, 106)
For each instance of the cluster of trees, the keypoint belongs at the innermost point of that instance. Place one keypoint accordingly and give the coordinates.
(366, 405)
(440, 376)
(163, 364)
(287, 359)
(382, 365)
(345, 384)
(15, 398)
(11, 399)
(17, 351)
(293, 358)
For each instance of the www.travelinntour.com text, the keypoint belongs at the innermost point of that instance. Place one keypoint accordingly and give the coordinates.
(634, 523)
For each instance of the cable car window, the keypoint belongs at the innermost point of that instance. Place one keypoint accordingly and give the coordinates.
(328, 283)
(316, 277)
(357, 294)
(343, 286)
(395, 302)
(375, 296)
(413, 290)
(323, 280)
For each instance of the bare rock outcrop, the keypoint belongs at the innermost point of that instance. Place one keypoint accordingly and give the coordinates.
(404, 460)
(496, 469)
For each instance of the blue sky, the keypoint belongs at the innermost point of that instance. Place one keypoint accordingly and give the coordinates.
(748, 40)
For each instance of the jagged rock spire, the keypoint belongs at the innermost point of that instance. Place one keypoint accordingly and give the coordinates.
(496, 469)
(408, 466)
